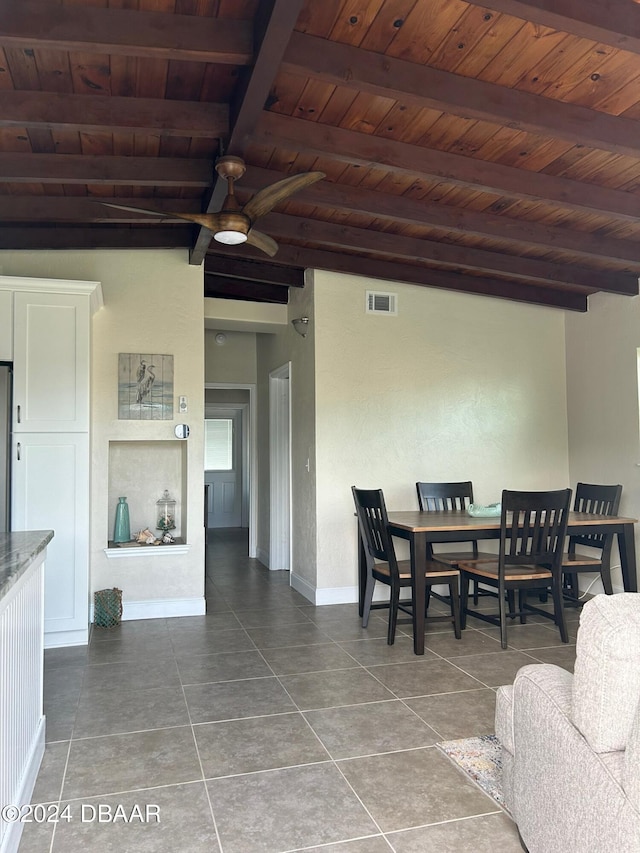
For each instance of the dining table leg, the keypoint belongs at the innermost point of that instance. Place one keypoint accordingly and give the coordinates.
(418, 550)
(627, 549)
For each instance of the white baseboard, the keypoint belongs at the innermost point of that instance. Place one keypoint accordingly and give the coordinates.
(163, 608)
(59, 639)
(304, 588)
(11, 840)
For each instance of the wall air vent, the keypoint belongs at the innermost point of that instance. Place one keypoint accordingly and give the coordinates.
(381, 303)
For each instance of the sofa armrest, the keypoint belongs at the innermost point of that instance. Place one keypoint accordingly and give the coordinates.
(631, 772)
(565, 796)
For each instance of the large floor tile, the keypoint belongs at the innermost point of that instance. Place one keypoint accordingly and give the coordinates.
(236, 699)
(258, 743)
(60, 717)
(126, 762)
(495, 669)
(130, 711)
(273, 618)
(430, 789)
(297, 659)
(131, 675)
(564, 656)
(330, 689)
(278, 636)
(371, 652)
(471, 642)
(372, 844)
(224, 666)
(210, 642)
(287, 809)
(493, 833)
(423, 677)
(457, 715)
(533, 635)
(69, 656)
(369, 729)
(48, 785)
(185, 823)
(64, 682)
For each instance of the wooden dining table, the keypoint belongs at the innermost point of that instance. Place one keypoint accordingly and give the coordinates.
(424, 529)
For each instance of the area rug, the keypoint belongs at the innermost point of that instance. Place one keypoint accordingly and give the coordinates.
(481, 759)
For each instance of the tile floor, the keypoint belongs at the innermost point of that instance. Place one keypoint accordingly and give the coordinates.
(271, 725)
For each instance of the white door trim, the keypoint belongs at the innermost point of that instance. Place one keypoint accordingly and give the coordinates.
(280, 467)
(250, 462)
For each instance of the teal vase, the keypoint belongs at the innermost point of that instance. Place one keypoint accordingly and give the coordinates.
(121, 529)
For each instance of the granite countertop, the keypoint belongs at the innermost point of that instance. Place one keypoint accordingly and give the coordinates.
(17, 551)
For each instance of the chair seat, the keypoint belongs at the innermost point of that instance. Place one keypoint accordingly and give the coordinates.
(432, 569)
(454, 558)
(569, 560)
(513, 573)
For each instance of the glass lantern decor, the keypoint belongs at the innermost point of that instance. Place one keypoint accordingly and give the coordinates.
(166, 512)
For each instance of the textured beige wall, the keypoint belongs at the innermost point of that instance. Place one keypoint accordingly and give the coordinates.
(455, 387)
(153, 303)
(602, 382)
(233, 361)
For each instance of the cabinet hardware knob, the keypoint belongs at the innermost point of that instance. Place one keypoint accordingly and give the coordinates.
(18, 413)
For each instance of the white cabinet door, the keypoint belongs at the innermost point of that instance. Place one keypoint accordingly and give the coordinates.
(51, 492)
(51, 362)
(6, 325)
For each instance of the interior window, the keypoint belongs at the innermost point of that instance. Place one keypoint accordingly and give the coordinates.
(218, 444)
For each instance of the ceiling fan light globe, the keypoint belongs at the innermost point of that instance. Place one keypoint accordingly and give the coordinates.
(231, 238)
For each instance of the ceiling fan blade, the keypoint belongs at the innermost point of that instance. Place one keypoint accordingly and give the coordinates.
(267, 198)
(136, 209)
(208, 220)
(263, 242)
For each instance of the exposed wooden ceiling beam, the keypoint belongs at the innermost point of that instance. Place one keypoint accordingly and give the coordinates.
(257, 271)
(36, 24)
(402, 209)
(275, 20)
(94, 169)
(616, 24)
(216, 286)
(99, 114)
(370, 151)
(422, 86)
(414, 274)
(94, 237)
(459, 258)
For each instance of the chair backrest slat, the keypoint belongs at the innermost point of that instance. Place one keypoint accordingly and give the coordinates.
(373, 524)
(444, 497)
(602, 500)
(533, 526)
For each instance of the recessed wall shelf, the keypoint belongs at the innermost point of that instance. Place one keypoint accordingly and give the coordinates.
(115, 552)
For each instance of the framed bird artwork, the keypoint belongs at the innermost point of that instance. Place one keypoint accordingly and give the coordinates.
(145, 386)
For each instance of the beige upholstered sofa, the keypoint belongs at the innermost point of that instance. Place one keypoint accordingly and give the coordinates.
(571, 743)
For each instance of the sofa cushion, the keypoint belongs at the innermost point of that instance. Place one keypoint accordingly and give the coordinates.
(504, 717)
(606, 687)
(631, 769)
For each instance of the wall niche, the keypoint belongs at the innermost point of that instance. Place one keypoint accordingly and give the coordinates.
(141, 471)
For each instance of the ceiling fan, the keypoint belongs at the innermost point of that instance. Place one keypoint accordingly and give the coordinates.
(233, 224)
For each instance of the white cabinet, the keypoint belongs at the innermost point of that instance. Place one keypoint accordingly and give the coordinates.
(51, 491)
(6, 325)
(50, 450)
(51, 362)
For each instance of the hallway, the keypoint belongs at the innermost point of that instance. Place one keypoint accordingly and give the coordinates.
(271, 725)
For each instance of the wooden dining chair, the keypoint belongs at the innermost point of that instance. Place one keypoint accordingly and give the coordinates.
(382, 565)
(533, 527)
(602, 500)
(452, 497)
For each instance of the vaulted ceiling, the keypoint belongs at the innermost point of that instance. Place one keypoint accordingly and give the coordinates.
(491, 149)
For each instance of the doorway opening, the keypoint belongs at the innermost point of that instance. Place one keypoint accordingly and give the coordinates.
(231, 451)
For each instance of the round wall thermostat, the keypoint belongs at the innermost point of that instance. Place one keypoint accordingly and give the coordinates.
(182, 431)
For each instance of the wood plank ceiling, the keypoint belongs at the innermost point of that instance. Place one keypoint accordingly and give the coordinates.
(490, 149)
